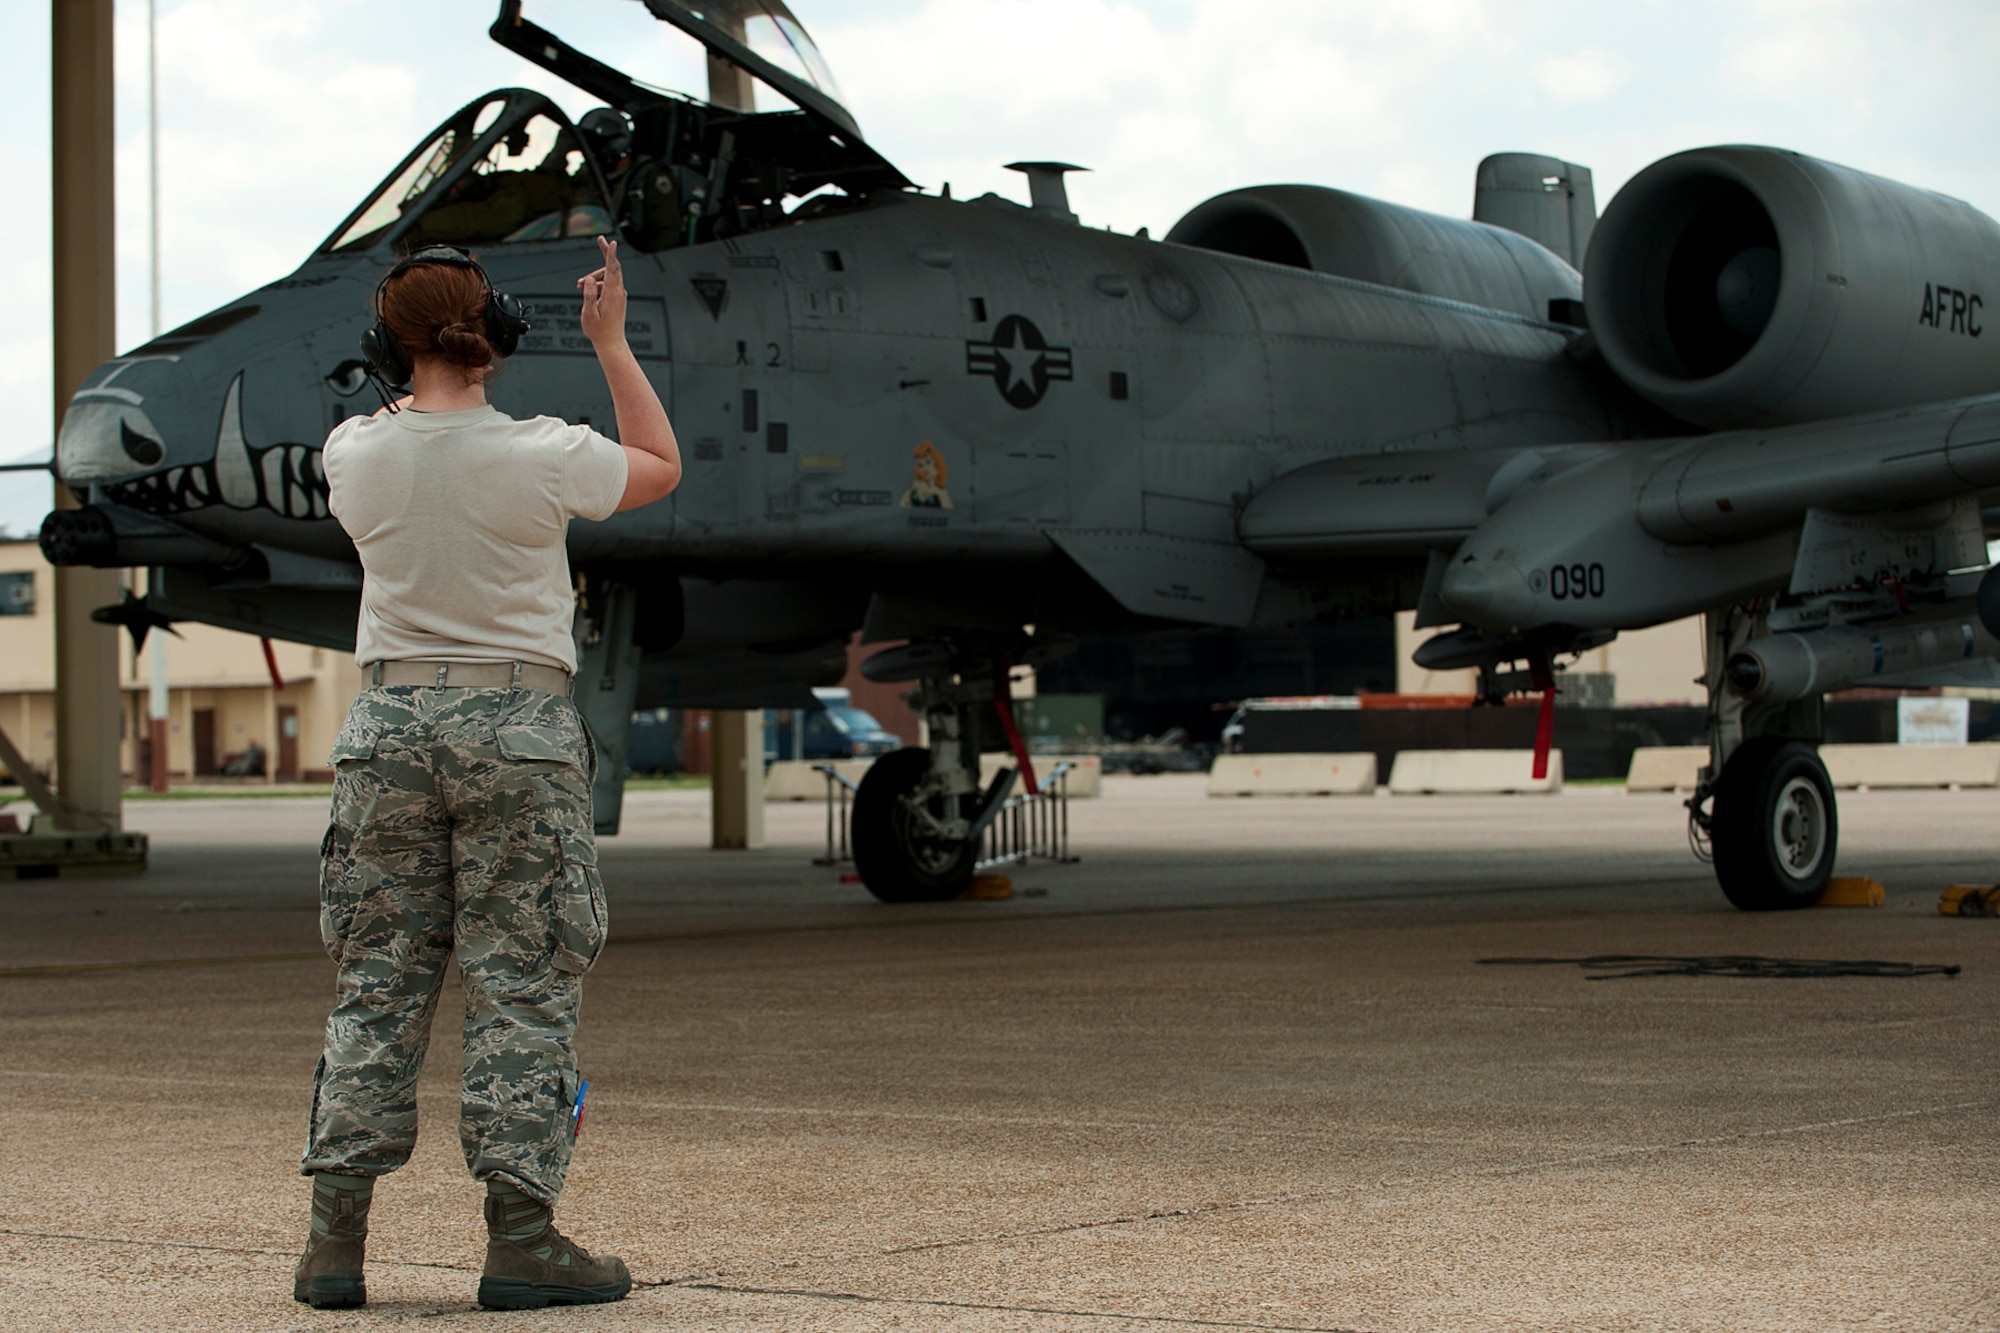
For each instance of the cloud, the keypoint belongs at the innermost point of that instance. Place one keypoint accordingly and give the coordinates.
(1583, 76)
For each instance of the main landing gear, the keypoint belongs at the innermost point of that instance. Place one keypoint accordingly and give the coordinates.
(921, 814)
(1774, 827)
(1764, 809)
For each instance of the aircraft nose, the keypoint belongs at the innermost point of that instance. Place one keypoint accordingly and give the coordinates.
(1489, 592)
(109, 434)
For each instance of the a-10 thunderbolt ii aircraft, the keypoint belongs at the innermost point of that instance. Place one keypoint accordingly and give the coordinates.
(978, 426)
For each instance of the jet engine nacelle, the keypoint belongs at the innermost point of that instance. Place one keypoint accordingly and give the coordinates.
(1747, 286)
(1352, 236)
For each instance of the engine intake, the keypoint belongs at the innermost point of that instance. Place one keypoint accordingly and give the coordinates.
(1746, 286)
(1352, 236)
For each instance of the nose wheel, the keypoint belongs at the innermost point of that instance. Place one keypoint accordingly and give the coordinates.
(1774, 825)
(909, 840)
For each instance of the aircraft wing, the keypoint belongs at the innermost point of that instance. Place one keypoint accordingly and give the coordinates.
(1707, 489)
(1619, 536)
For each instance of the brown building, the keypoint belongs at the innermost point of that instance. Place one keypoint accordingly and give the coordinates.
(221, 699)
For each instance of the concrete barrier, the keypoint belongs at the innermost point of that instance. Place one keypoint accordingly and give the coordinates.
(1086, 779)
(798, 780)
(1292, 775)
(1666, 767)
(1912, 765)
(1472, 772)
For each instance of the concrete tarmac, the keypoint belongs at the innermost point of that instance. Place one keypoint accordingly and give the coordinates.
(1241, 1067)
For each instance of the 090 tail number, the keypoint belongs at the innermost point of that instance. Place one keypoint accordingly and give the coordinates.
(1568, 583)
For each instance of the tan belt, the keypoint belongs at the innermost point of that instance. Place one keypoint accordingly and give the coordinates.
(471, 675)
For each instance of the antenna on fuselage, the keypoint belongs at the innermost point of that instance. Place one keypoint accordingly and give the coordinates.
(1047, 194)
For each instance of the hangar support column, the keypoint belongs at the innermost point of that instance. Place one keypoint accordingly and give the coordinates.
(736, 809)
(88, 715)
(736, 801)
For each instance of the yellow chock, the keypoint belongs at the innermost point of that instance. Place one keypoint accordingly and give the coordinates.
(1970, 900)
(1851, 891)
(988, 888)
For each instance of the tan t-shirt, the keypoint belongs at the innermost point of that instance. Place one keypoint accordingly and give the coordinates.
(459, 518)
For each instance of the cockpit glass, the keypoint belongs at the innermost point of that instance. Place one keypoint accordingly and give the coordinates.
(662, 57)
(531, 184)
(422, 171)
(768, 28)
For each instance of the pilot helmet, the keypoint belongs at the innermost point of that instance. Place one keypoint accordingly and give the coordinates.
(608, 132)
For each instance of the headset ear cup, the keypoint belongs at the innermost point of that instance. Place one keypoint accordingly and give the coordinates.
(506, 321)
(380, 350)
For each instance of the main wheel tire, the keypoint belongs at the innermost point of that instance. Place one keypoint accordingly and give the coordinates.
(1775, 828)
(896, 862)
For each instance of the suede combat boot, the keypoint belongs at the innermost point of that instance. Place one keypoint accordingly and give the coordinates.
(530, 1264)
(329, 1274)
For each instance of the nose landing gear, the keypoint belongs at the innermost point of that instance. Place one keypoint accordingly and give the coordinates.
(909, 831)
(920, 814)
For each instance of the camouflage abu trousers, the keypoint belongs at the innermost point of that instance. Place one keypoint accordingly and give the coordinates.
(461, 829)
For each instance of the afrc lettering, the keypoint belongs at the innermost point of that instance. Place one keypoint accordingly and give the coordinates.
(1952, 310)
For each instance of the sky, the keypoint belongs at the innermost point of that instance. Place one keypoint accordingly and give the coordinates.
(276, 120)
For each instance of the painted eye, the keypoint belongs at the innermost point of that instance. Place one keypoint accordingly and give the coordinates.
(347, 378)
(141, 449)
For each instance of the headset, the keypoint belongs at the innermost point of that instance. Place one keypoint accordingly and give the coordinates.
(390, 364)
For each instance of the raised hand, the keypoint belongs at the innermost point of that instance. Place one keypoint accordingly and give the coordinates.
(603, 291)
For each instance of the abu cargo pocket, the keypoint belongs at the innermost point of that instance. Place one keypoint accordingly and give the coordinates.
(356, 742)
(542, 743)
(580, 915)
(338, 898)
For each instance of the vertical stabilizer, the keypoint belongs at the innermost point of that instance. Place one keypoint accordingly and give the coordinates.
(1546, 199)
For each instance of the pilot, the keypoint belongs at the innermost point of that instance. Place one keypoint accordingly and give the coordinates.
(494, 205)
(461, 826)
(649, 203)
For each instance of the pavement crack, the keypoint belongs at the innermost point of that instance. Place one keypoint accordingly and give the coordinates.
(1294, 1198)
(1740, 1136)
(1185, 1321)
(190, 1245)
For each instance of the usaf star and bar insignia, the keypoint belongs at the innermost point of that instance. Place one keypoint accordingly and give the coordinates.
(1019, 360)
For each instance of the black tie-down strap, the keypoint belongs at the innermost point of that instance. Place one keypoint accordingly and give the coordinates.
(1619, 966)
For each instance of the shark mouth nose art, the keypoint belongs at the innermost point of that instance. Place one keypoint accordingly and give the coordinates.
(107, 435)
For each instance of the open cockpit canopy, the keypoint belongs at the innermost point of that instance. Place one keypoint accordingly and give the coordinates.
(762, 38)
(662, 168)
(508, 166)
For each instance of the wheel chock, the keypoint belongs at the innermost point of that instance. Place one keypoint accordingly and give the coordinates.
(988, 888)
(1970, 900)
(1851, 891)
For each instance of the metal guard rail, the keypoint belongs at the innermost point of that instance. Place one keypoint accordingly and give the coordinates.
(1025, 826)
